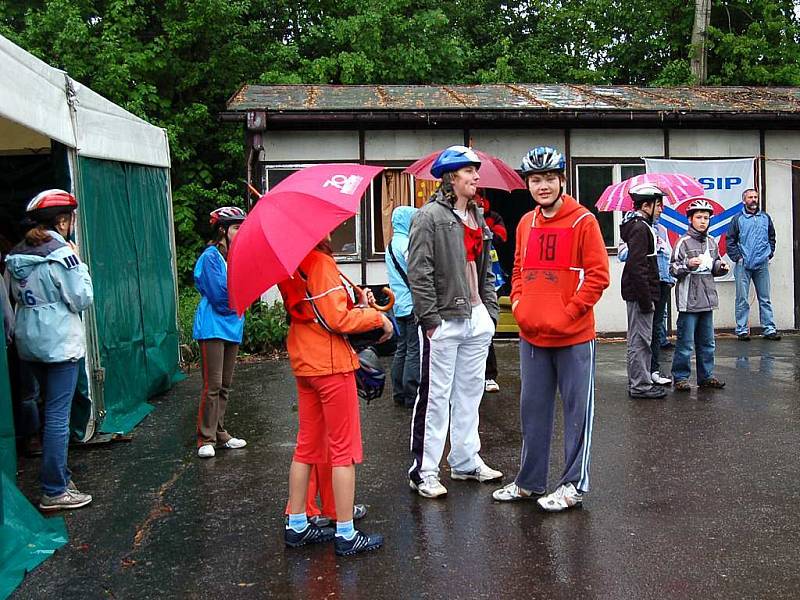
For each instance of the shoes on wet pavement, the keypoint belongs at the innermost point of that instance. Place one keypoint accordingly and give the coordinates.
(429, 487)
(773, 337)
(657, 378)
(682, 385)
(483, 473)
(712, 383)
(67, 501)
(360, 542)
(234, 444)
(743, 337)
(513, 493)
(312, 534)
(655, 392)
(565, 496)
(490, 386)
(206, 451)
(359, 512)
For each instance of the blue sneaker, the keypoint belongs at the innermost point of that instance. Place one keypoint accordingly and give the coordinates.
(311, 535)
(361, 542)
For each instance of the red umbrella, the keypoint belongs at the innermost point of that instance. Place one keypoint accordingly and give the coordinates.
(286, 224)
(676, 186)
(494, 172)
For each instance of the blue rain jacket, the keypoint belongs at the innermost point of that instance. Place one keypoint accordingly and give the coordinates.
(751, 239)
(214, 318)
(401, 225)
(51, 287)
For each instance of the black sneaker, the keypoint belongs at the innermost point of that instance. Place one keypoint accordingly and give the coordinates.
(712, 383)
(361, 542)
(774, 336)
(311, 535)
(654, 393)
(743, 337)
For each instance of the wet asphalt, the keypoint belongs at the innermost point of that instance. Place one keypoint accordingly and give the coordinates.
(694, 496)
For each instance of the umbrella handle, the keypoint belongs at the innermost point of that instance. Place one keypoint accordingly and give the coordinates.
(389, 293)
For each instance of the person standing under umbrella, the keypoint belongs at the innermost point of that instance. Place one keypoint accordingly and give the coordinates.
(324, 364)
(219, 331)
(456, 306)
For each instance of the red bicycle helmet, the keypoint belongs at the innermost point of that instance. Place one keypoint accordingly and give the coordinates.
(49, 204)
(226, 216)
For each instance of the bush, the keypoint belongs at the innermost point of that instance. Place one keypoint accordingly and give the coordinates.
(265, 327)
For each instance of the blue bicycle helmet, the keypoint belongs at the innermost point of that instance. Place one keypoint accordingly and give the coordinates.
(370, 377)
(453, 159)
(542, 159)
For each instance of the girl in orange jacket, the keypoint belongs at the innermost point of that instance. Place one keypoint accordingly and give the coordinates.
(324, 364)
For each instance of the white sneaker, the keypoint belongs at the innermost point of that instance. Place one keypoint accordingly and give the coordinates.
(482, 473)
(234, 443)
(659, 379)
(512, 492)
(206, 451)
(566, 496)
(490, 386)
(430, 487)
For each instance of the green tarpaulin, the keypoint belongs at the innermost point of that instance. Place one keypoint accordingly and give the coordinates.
(26, 538)
(126, 216)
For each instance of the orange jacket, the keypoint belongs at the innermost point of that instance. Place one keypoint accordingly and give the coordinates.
(312, 349)
(560, 272)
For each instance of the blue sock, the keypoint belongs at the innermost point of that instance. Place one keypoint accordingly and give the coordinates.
(345, 529)
(298, 522)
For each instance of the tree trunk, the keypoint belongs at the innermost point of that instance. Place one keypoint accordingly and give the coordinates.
(702, 17)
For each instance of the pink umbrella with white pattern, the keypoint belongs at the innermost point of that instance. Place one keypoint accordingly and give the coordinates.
(676, 186)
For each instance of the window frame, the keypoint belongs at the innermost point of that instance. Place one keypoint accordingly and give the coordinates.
(616, 163)
(380, 254)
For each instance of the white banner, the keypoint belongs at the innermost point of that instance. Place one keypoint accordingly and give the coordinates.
(724, 182)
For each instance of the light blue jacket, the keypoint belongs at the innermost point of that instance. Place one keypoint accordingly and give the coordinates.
(751, 239)
(51, 287)
(401, 225)
(214, 318)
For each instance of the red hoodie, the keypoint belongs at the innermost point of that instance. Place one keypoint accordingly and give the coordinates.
(560, 272)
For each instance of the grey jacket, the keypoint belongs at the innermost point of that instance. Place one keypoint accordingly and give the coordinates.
(436, 264)
(695, 290)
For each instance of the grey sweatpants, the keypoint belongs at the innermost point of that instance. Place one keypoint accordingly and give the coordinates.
(542, 370)
(640, 335)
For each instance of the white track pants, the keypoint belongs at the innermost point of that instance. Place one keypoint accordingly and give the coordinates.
(450, 392)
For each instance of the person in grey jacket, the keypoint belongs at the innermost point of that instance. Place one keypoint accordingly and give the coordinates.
(695, 262)
(456, 306)
(52, 287)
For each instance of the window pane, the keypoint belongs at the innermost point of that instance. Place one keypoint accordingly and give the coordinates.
(378, 244)
(592, 181)
(275, 176)
(628, 171)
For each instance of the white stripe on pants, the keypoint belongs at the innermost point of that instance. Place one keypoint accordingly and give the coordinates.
(451, 388)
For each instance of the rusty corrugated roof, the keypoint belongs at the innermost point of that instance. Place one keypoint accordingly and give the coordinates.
(534, 97)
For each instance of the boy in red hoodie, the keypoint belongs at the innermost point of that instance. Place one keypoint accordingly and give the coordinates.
(560, 272)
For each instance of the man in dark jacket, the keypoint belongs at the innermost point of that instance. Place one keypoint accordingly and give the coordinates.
(640, 287)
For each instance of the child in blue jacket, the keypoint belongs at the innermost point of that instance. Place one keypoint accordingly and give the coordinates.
(219, 331)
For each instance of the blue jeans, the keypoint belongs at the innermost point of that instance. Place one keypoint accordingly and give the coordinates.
(760, 278)
(58, 380)
(659, 337)
(695, 333)
(405, 366)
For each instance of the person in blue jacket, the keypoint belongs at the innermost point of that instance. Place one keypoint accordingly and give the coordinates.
(751, 245)
(52, 287)
(218, 331)
(405, 366)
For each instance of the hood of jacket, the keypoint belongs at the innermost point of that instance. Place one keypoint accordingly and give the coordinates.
(628, 223)
(401, 219)
(23, 258)
(700, 236)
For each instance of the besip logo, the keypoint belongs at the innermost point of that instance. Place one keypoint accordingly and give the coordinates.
(347, 184)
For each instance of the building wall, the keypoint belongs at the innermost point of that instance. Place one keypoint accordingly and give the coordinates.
(510, 145)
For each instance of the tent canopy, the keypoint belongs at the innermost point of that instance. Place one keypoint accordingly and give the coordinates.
(39, 103)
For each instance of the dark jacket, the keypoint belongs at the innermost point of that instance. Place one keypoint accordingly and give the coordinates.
(640, 281)
(437, 264)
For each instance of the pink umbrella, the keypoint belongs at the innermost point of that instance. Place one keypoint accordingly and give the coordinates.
(494, 172)
(676, 186)
(287, 222)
